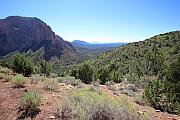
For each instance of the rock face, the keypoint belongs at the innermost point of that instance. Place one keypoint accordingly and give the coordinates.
(24, 33)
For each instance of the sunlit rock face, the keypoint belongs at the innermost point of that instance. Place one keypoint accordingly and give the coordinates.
(24, 33)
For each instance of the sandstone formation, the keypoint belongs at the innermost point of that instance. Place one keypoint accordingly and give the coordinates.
(24, 33)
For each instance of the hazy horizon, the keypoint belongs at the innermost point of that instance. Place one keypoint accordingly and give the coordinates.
(101, 21)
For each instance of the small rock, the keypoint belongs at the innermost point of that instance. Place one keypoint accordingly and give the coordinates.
(140, 112)
(46, 98)
(158, 111)
(68, 87)
(52, 117)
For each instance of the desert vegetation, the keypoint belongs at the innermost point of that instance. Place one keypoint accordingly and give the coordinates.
(149, 67)
(91, 105)
(29, 105)
(124, 83)
(85, 101)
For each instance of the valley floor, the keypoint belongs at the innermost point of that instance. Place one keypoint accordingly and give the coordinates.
(10, 98)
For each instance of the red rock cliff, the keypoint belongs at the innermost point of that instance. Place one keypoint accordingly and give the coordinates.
(24, 33)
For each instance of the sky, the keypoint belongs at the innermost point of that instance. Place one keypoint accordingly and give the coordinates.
(104, 21)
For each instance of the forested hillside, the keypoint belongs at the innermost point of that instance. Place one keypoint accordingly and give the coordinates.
(142, 58)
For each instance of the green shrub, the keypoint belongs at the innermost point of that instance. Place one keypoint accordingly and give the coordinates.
(30, 103)
(163, 93)
(74, 73)
(62, 74)
(22, 65)
(45, 68)
(116, 76)
(85, 73)
(18, 80)
(51, 84)
(4, 63)
(103, 75)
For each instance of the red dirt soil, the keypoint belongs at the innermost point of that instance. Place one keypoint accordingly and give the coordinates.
(10, 98)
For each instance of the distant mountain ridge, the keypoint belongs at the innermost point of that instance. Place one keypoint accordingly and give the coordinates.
(92, 50)
(30, 33)
(81, 43)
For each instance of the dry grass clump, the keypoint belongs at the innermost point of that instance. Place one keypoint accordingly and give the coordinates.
(139, 99)
(131, 87)
(123, 88)
(2, 75)
(68, 80)
(29, 105)
(43, 78)
(53, 75)
(35, 78)
(94, 87)
(9, 78)
(6, 74)
(70, 108)
(89, 105)
(5, 70)
(130, 90)
(18, 80)
(51, 84)
(105, 111)
(110, 85)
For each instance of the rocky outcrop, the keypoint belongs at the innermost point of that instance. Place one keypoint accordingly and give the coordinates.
(24, 33)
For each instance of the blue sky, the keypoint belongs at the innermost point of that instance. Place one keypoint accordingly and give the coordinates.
(100, 20)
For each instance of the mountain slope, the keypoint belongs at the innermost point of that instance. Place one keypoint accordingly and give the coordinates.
(140, 58)
(30, 33)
